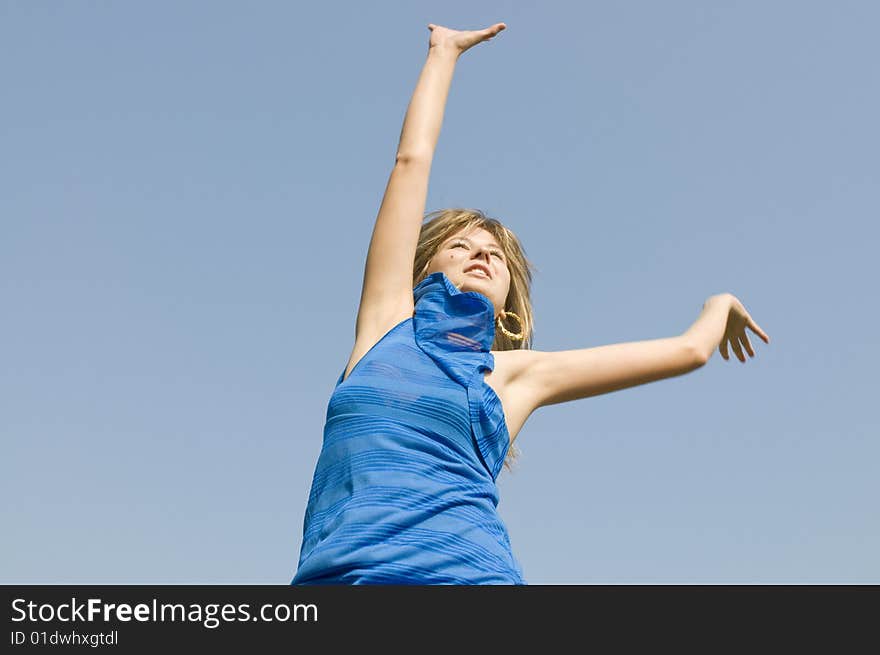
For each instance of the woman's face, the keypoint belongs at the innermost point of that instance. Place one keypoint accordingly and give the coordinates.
(462, 256)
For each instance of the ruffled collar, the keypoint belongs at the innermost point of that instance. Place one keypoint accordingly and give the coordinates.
(453, 319)
(456, 330)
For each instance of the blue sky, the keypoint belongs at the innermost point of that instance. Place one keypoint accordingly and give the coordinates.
(188, 194)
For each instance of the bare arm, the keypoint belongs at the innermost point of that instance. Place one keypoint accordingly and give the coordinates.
(424, 115)
(550, 377)
(386, 295)
(541, 378)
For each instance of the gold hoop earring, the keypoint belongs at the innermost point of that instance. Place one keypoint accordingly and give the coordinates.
(515, 337)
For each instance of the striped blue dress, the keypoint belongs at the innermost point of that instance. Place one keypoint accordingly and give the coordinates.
(404, 488)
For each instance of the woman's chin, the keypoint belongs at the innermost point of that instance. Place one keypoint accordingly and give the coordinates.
(473, 285)
(473, 278)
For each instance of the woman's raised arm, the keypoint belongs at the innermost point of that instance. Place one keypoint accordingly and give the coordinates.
(386, 296)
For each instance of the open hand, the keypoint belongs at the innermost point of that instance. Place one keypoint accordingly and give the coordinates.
(458, 41)
(735, 333)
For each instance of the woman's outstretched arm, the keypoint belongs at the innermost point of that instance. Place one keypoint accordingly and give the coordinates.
(386, 296)
(541, 378)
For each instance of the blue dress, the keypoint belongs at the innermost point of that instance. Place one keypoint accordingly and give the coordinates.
(404, 488)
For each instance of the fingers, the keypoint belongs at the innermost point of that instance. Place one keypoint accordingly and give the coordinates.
(737, 338)
(490, 32)
(738, 350)
(497, 27)
(738, 342)
(754, 327)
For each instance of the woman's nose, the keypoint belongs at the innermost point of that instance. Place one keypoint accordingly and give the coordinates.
(484, 254)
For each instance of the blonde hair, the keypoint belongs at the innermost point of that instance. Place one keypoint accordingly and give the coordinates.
(442, 224)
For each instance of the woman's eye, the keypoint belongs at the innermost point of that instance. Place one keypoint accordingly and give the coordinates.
(497, 253)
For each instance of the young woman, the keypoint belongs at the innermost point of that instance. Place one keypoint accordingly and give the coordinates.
(442, 378)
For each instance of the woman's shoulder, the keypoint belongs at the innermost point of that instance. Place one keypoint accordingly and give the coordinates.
(368, 340)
